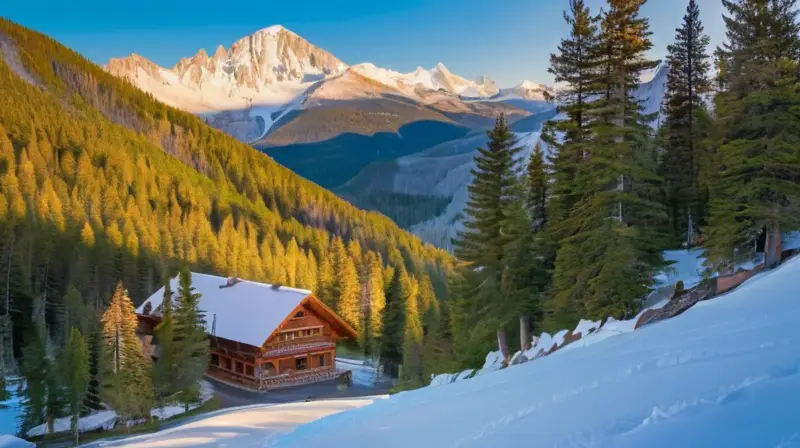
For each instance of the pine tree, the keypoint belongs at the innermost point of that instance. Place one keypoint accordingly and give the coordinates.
(757, 191)
(495, 197)
(93, 402)
(412, 332)
(391, 350)
(165, 368)
(326, 281)
(128, 386)
(536, 183)
(74, 365)
(575, 65)
(609, 250)
(34, 369)
(191, 341)
(347, 303)
(75, 311)
(686, 159)
(376, 302)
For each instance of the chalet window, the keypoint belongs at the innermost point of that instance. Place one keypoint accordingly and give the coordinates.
(250, 371)
(214, 359)
(321, 360)
(239, 367)
(299, 314)
(226, 363)
(316, 331)
(300, 363)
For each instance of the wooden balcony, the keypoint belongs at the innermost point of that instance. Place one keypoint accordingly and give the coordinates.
(297, 378)
(291, 348)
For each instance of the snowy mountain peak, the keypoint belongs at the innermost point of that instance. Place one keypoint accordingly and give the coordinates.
(272, 30)
(440, 67)
(269, 66)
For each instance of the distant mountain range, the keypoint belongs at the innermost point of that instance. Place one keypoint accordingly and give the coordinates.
(248, 88)
(399, 143)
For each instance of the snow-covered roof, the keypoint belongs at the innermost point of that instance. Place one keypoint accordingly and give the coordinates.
(246, 311)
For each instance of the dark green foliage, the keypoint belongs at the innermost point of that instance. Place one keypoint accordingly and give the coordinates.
(536, 184)
(494, 285)
(757, 191)
(76, 315)
(4, 394)
(165, 374)
(190, 341)
(93, 402)
(686, 163)
(34, 370)
(391, 346)
(608, 249)
(74, 372)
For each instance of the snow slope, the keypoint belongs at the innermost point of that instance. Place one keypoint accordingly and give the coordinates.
(242, 427)
(724, 373)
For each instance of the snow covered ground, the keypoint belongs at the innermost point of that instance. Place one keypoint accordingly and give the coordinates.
(9, 441)
(107, 419)
(363, 375)
(10, 409)
(249, 426)
(724, 373)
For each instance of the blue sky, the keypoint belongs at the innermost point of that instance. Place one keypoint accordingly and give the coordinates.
(509, 40)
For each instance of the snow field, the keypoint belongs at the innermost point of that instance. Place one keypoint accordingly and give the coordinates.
(724, 373)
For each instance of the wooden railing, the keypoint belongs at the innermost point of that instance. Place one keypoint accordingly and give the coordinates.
(298, 377)
(297, 347)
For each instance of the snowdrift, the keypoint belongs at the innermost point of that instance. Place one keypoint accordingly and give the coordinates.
(723, 373)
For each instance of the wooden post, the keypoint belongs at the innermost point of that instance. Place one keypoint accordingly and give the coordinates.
(501, 342)
(524, 333)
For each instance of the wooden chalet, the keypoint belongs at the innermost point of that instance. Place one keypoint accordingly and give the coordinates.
(262, 336)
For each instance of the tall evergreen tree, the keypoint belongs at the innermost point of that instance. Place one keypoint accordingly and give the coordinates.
(74, 365)
(757, 191)
(34, 368)
(93, 402)
(609, 251)
(348, 290)
(391, 350)
(376, 302)
(537, 189)
(494, 197)
(191, 341)
(165, 369)
(686, 161)
(575, 65)
(128, 386)
(412, 332)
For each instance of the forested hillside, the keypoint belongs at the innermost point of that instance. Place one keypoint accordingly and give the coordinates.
(101, 183)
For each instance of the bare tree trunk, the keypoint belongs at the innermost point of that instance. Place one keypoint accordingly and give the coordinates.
(772, 246)
(501, 342)
(689, 229)
(524, 333)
